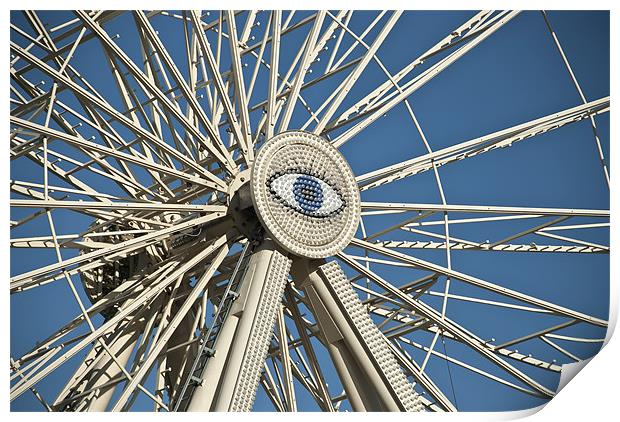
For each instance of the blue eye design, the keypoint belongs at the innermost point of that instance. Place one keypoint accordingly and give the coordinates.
(306, 194)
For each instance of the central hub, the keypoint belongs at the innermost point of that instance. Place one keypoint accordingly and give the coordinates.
(305, 194)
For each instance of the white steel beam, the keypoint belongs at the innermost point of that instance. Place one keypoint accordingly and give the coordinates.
(20, 281)
(502, 247)
(456, 330)
(491, 209)
(245, 142)
(597, 140)
(352, 78)
(214, 147)
(117, 206)
(503, 138)
(306, 61)
(369, 372)
(222, 91)
(273, 73)
(419, 82)
(98, 369)
(171, 328)
(560, 310)
(232, 375)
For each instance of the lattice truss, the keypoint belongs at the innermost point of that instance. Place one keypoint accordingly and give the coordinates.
(143, 279)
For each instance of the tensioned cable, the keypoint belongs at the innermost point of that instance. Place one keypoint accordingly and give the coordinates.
(445, 353)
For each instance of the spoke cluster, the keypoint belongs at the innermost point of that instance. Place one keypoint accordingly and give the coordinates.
(128, 148)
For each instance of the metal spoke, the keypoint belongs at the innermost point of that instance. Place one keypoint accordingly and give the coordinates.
(418, 82)
(458, 331)
(503, 138)
(583, 97)
(199, 204)
(480, 283)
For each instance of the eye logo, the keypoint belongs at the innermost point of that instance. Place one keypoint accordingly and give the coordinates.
(306, 194)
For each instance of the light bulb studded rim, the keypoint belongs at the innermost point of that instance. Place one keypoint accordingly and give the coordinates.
(305, 194)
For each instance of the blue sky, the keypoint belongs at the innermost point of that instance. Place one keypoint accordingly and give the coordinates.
(514, 76)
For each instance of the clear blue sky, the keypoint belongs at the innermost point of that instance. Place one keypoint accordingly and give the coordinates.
(514, 76)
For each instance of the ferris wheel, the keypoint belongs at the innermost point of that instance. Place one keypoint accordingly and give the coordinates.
(228, 211)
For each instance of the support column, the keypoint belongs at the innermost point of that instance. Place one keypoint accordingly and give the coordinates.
(367, 368)
(179, 361)
(232, 375)
(98, 368)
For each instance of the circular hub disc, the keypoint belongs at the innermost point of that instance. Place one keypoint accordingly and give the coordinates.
(305, 194)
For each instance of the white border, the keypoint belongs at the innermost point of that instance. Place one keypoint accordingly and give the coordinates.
(594, 392)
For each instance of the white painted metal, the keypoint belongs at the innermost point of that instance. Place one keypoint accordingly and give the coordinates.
(161, 175)
(242, 344)
(362, 358)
